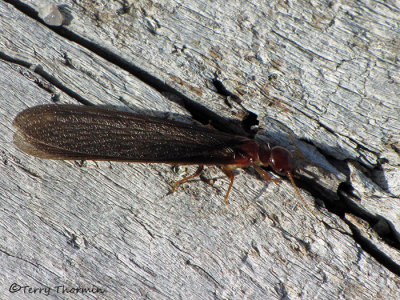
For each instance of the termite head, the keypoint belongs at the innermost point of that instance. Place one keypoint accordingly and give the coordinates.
(281, 160)
(278, 158)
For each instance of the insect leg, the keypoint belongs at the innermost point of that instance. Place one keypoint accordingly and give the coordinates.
(228, 172)
(265, 174)
(197, 173)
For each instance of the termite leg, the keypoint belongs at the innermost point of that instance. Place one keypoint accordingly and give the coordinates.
(228, 172)
(197, 173)
(265, 175)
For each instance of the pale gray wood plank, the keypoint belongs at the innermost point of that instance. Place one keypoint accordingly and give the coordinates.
(329, 73)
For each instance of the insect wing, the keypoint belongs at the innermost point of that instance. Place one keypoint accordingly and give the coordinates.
(98, 133)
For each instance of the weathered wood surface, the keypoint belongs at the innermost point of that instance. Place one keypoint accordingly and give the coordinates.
(330, 72)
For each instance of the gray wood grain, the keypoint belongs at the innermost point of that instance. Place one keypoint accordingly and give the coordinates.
(328, 74)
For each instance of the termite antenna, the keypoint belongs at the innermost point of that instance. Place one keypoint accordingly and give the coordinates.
(289, 174)
(297, 147)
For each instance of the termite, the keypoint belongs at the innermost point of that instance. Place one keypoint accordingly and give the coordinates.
(76, 132)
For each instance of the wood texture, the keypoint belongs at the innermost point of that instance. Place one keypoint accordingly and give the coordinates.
(328, 73)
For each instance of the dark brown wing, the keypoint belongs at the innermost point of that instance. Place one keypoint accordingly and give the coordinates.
(98, 133)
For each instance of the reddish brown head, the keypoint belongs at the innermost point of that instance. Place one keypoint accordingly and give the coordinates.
(280, 160)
